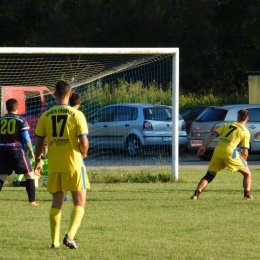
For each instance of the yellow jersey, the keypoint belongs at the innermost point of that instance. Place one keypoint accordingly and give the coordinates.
(62, 125)
(233, 134)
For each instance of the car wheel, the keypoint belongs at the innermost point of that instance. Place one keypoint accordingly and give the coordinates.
(134, 146)
(205, 157)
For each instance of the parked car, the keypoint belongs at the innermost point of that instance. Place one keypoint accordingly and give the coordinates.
(212, 118)
(190, 113)
(134, 128)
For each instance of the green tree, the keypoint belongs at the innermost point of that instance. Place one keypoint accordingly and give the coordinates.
(235, 47)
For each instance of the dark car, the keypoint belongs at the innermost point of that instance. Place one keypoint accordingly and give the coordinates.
(189, 114)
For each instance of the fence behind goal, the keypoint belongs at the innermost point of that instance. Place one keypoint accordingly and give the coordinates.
(103, 77)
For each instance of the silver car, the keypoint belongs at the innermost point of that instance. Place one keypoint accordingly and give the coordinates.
(134, 128)
(212, 118)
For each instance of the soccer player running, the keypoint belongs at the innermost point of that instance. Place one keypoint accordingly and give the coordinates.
(233, 134)
(14, 139)
(66, 130)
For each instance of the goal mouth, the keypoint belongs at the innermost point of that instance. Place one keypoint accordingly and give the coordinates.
(103, 76)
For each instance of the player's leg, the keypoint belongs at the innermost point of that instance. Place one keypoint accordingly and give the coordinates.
(23, 183)
(215, 165)
(18, 180)
(6, 166)
(77, 213)
(55, 217)
(205, 180)
(79, 201)
(240, 165)
(2, 180)
(30, 188)
(78, 191)
(23, 166)
(247, 180)
(55, 188)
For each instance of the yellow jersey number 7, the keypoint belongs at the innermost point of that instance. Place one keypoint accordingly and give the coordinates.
(233, 128)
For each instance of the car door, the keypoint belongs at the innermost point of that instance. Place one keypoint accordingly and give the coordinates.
(253, 125)
(123, 123)
(100, 126)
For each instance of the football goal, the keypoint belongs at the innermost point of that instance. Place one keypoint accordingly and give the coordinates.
(104, 77)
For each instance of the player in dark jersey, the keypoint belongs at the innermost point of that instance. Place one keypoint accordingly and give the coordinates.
(14, 140)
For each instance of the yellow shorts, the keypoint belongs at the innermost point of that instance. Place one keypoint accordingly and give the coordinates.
(67, 181)
(233, 164)
(87, 180)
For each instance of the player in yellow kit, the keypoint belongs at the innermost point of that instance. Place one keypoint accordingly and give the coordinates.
(75, 101)
(233, 134)
(66, 130)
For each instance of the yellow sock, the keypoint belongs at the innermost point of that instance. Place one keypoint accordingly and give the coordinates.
(75, 220)
(55, 217)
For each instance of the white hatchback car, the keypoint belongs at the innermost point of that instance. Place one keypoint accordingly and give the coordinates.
(134, 127)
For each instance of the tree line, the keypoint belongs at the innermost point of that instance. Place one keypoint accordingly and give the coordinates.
(219, 40)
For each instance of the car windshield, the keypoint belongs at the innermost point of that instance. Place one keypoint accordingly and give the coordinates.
(158, 113)
(209, 115)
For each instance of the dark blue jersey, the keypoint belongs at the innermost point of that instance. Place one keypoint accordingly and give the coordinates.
(12, 127)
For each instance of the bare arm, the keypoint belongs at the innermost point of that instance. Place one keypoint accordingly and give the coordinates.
(244, 154)
(83, 145)
(28, 143)
(202, 149)
(29, 147)
(38, 152)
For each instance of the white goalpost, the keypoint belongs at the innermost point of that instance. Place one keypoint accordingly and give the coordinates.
(86, 69)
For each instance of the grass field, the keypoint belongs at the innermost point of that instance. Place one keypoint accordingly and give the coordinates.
(140, 221)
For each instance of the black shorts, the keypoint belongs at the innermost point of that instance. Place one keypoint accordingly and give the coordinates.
(17, 161)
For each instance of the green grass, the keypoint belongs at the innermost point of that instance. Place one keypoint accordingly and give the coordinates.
(140, 221)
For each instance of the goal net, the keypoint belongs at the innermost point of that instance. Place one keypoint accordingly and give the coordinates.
(103, 76)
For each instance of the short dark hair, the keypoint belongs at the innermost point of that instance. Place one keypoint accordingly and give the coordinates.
(242, 114)
(62, 88)
(75, 99)
(11, 105)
